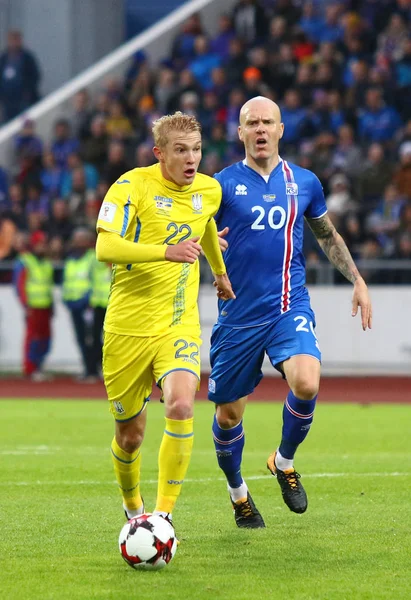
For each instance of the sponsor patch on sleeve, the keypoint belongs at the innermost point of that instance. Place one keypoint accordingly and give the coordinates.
(107, 212)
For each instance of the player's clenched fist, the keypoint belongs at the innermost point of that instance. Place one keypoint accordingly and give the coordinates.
(184, 252)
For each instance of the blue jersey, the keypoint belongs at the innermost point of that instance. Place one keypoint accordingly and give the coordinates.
(264, 259)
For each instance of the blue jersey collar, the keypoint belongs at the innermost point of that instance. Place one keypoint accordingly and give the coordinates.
(277, 168)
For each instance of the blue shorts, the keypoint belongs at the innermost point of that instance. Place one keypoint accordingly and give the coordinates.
(237, 354)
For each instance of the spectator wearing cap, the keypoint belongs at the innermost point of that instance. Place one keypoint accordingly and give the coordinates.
(33, 281)
(19, 77)
(402, 176)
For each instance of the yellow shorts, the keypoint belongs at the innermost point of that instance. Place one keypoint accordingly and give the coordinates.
(130, 364)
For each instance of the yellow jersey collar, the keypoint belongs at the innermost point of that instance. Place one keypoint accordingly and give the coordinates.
(170, 184)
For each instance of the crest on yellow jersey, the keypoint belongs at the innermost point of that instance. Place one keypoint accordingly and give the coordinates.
(163, 205)
(197, 200)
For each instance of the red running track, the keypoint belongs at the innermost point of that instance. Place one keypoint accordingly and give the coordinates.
(363, 390)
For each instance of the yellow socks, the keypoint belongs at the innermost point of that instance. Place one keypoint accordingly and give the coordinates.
(173, 461)
(127, 470)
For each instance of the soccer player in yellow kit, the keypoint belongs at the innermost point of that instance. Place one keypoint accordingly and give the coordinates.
(150, 227)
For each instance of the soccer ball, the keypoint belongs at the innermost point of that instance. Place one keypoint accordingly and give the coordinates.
(147, 542)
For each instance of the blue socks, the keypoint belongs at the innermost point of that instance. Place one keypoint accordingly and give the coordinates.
(297, 418)
(229, 444)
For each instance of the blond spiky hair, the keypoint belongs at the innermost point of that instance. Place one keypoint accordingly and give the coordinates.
(176, 122)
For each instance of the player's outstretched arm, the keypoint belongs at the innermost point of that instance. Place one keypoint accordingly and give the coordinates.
(112, 248)
(338, 254)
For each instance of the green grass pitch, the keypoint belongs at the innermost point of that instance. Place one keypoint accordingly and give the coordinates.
(60, 510)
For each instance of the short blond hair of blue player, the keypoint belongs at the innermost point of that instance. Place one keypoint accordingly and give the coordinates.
(150, 227)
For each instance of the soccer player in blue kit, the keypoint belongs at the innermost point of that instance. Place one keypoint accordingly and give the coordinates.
(265, 201)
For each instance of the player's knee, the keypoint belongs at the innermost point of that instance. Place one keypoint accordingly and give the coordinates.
(129, 440)
(305, 388)
(228, 415)
(179, 408)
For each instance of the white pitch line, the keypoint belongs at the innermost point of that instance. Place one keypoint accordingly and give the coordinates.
(200, 480)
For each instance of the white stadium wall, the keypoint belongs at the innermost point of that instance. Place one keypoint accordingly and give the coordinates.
(346, 349)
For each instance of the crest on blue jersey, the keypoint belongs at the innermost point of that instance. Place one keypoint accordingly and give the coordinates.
(197, 200)
(291, 189)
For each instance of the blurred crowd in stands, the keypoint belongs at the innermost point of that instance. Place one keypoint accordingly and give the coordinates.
(340, 71)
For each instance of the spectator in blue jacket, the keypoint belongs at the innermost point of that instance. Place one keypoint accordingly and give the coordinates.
(378, 122)
(63, 144)
(19, 77)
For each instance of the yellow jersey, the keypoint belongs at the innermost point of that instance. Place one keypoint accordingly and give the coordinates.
(146, 299)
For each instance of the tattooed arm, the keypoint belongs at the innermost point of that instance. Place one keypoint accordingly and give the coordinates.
(334, 247)
(338, 254)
